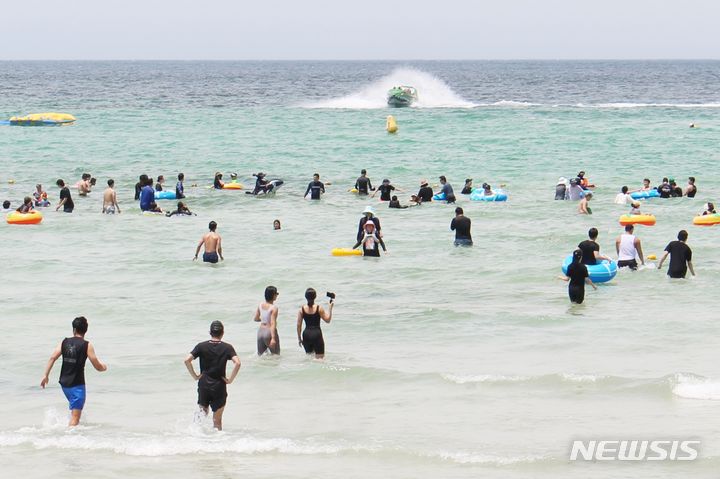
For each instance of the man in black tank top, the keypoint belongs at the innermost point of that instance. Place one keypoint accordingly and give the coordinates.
(212, 380)
(74, 351)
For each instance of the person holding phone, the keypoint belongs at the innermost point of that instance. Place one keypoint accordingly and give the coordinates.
(312, 338)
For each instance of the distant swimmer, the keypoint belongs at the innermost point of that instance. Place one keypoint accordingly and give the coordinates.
(311, 339)
(447, 190)
(623, 197)
(583, 207)
(461, 225)
(368, 215)
(154, 208)
(645, 186)
(182, 210)
(385, 190)
(6, 206)
(27, 205)
(74, 351)
(680, 257)
(147, 195)
(218, 182)
(180, 186)
(583, 181)
(424, 194)
(212, 380)
(160, 183)
(591, 250)
(693, 125)
(487, 190)
(363, 184)
(675, 190)
(577, 276)
(370, 241)
(629, 248)
(665, 189)
(139, 186)
(395, 203)
(691, 189)
(110, 205)
(261, 184)
(40, 196)
(468, 187)
(276, 225)
(561, 189)
(635, 208)
(709, 209)
(213, 245)
(66, 201)
(266, 314)
(315, 188)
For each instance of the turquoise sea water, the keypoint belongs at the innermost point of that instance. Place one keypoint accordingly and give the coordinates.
(440, 361)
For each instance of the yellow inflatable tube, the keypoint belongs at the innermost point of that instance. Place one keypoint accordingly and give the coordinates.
(233, 186)
(49, 118)
(345, 252)
(707, 220)
(391, 124)
(646, 220)
(32, 218)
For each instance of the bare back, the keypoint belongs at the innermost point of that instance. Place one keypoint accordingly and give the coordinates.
(211, 241)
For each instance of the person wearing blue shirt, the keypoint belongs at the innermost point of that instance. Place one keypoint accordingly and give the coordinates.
(147, 195)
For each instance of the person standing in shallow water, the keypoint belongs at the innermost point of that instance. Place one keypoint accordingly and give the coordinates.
(577, 276)
(315, 188)
(74, 351)
(213, 245)
(311, 339)
(266, 314)
(461, 225)
(680, 257)
(212, 380)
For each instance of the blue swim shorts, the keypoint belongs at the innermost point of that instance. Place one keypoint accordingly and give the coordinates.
(75, 396)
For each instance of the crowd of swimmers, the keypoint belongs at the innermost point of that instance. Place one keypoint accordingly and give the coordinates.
(213, 354)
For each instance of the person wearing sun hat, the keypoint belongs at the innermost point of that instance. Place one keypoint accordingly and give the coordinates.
(370, 240)
(368, 215)
(425, 193)
(561, 188)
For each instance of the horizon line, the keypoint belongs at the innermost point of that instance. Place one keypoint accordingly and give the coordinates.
(353, 59)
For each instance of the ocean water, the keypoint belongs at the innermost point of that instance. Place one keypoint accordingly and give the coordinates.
(441, 362)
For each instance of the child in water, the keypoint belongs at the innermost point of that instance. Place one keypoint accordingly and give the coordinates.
(395, 203)
(182, 210)
(635, 208)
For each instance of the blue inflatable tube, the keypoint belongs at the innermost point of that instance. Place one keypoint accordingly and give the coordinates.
(643, 195)
(439, 197)
(599, 273)
(478, 195)
(165, 195)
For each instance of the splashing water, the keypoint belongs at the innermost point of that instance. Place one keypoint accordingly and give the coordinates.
(432, 92)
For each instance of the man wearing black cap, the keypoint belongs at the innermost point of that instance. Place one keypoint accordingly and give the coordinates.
(212, 380)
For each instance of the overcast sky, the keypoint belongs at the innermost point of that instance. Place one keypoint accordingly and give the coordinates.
(360, 29)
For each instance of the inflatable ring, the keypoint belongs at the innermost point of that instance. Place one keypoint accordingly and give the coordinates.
(646, 220)
(643, 195)
(707, 220)
(598, 273)
(165, 195)
(439, 197)
(233, 186)
(345, 252)
(32, 218)
(479, 195)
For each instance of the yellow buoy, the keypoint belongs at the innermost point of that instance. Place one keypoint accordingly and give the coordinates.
(652, 257)
(391, 124)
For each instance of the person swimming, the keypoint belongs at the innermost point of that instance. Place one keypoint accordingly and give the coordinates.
(217, 182)
(467, 189)
(276, 225)
(181, 210)
(395, 203)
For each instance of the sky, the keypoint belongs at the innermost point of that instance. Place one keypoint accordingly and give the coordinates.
(358, 30)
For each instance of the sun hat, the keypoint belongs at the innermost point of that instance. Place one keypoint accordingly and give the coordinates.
(369, 209)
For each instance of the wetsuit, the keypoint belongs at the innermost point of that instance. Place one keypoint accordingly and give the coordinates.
(363, 185)
(264, 334)
(665, 190)
(588, 248)
(425, 194)
(466, 190)
(461, 226)
(147, 196)
(72, 373)
(261, 185)
(560, 192)
(315, 188)
(396, 204)
(361, 226)
(577, 272)
(138, 189)
(69, 205)
(680, 254)
(179, 190)
(385, 192)
(312, 337)
(212, 389)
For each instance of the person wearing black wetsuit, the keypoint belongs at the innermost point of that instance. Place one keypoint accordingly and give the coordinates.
(311, 339)
(425, 193)
(461, 226)
(467, 189)
(680, 257)
(66, 200)
(315, 188)
(179, 187)
(385, 190)
(395, 203)
(212, 380)
(74, 351)
(577, 275)
(363, 184)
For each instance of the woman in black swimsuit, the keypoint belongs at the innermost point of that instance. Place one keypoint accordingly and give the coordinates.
(312, 339)
(577, 276)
